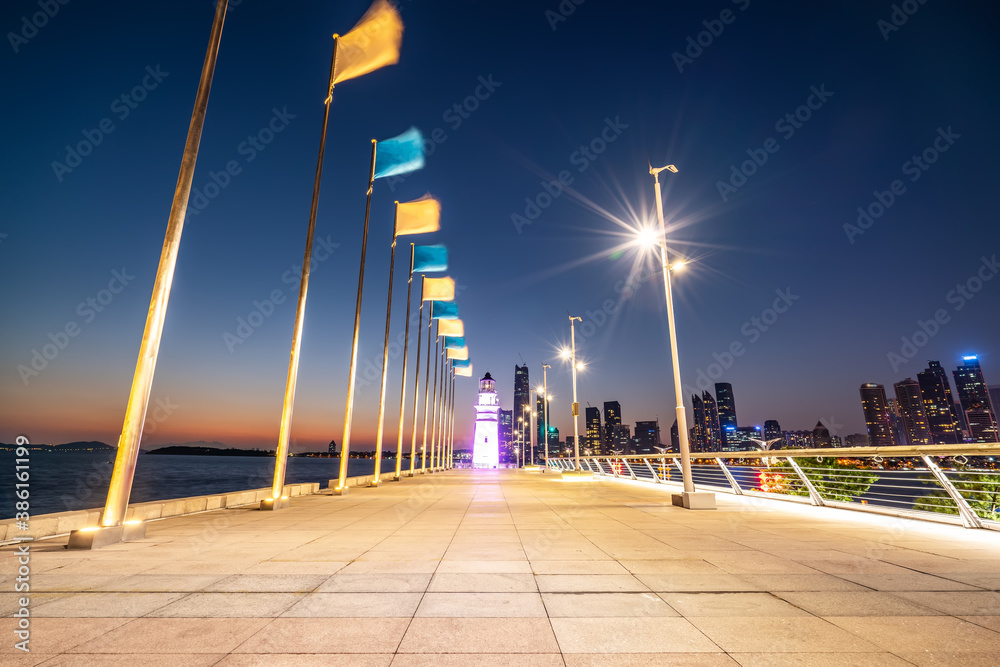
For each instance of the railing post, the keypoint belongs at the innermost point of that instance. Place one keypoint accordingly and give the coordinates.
(613, 470)
(969, 517)
(732, 480)
(630, 471)
(813, 493)
(656, 477)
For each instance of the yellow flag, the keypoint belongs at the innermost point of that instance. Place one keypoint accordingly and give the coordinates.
(451, 328)
(419, 216)
(464, 372)
(438, 289)
(460, 353)
(371, 44)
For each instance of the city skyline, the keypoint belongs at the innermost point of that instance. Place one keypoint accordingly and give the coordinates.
(776, 238)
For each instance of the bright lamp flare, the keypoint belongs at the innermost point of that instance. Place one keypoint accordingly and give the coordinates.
(678, 266)
(580, 366)
(565, 353)
(647, 237)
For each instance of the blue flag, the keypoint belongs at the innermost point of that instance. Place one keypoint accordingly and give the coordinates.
(400, 155)
(461, 363)
(427, 258)
(445, 310)
(454, 342)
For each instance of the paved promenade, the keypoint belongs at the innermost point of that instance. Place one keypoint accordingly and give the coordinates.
(491, 568)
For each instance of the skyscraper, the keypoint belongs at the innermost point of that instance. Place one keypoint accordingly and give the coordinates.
(698, 439)
(911, 408)
(675, 438)
(876, 409)
(726, 406)
(821, 435)
(896, 422)
(540, 408)
(772, 429)
(712, 430)
(486, 450)
(612, 424)
(935, 391)
(506, 435)
(975, 399)
(522, 392)
(647, 437)
(593, 425)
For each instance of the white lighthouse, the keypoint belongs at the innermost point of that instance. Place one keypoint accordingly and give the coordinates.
(486, 451)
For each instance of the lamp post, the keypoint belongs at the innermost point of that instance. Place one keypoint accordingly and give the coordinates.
(545, 408)
(689, 499)
(571, 355)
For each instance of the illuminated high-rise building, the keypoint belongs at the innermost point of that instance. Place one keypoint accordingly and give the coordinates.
(647, 437)
(698, 440)
(540, 407)
(612, 424)
(876, 409)
(726, 405)
(506, 435)
(592, 440)
(942, 416)
(821, 435)
(706, 423)
(772, 429)
(522, 392)
(486, 447)
(975, 400)
(911, 409)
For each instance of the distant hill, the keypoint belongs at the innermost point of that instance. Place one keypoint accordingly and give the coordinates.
(186, 450)
(90, 446)
(193, 443)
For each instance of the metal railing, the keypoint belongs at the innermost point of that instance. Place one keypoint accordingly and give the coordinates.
(946, 483)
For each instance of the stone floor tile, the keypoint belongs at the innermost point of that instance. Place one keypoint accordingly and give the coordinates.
(730, 604)
(375, 583)
(229, 605)
(354, 605)
(175, 635)
(599, 605)
(630, 635)
(483, 583)
(479, 635)
(481, 605)
(913, 634)
(589, 583)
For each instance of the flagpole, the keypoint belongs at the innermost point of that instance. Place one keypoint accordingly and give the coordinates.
(402, 384)
(447, 418)
(427, 381)
(451, 429)
(444, 417)
(377, 481)
(441, 407)
(281, 454)
(120, 487)
(345, 445)
(437, 362)
(416, 384)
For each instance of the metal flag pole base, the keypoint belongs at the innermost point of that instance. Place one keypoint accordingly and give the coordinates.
(271, 504)
(577, 475)
(337, 490)
(694, 500)
(375, 483)
(102, 536)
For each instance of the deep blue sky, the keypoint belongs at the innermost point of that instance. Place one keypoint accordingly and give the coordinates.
(782, 230)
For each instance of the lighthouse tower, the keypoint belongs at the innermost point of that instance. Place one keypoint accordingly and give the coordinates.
(486, 452)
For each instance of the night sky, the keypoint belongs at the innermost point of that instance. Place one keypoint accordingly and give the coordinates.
(879, 96)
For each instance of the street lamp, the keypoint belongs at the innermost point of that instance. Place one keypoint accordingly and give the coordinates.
(571, 356)
(690, 498)
(545, 407)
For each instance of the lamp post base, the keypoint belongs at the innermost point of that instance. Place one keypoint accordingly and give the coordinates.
(694, 500)
(95, 538)
(577, 475)
(337, 490)
(271, 504)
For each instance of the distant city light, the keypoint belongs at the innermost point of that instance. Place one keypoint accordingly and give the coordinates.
(971, 357)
